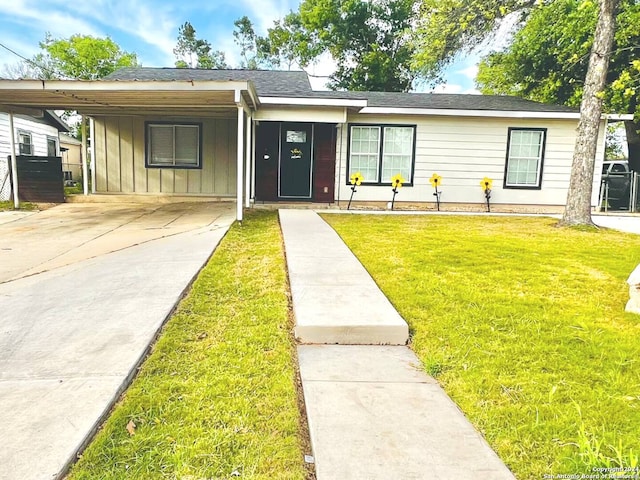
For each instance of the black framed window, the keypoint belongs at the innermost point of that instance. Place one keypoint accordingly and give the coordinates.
(52, 146)
(25, 144)
(525, 158)
(173, 145)
(379, 152)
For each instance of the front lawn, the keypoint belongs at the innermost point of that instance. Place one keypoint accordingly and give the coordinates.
(216, 398)
(523, 324)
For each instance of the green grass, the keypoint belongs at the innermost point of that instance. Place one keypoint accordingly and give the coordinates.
(523, 324)
(8, 205)
(217, 396)
(77, 190)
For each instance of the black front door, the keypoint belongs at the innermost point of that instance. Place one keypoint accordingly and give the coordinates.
(295, 160)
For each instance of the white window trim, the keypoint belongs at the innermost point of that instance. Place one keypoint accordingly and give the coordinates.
(150, 164)
(540, 162)
(26, 134)
(57, 142)
(381, 128)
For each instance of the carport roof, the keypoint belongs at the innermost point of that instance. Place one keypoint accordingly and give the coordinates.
(123, 97)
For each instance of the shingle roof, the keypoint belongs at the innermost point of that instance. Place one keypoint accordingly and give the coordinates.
(447, 101)
(267, 82)
(295, 84)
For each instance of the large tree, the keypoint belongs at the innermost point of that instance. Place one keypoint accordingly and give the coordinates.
(369, 41)
(548, 58)
(193, 52)
(446, 28)
(81, 57)
(255, 51)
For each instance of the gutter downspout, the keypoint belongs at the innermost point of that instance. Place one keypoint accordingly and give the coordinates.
(14, 162)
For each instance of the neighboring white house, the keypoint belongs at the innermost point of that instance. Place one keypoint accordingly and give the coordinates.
(32, 136)
(265, 136)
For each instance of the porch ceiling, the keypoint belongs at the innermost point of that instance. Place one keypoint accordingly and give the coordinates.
(116, 97)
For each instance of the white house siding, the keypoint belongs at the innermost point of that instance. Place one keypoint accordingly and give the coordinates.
(463, 150)
(120, 159)
(39, 133)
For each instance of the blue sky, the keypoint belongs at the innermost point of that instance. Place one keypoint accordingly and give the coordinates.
(150, 28)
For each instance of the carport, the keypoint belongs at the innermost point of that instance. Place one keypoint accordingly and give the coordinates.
(163, 99)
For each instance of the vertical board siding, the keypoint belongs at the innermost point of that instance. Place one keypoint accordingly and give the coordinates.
(463, 150)
(221, 166)
(120, 159)
(140, 173)
(112, 126)
(100, 147)
(209, 151)
(127, 167)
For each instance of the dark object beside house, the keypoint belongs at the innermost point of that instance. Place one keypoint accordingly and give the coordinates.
(617, 177)
(39, 179)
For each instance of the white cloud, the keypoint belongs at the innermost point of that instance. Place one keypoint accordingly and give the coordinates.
(469, 72)
(320, 71)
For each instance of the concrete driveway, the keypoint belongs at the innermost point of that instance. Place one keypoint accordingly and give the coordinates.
(84, 289)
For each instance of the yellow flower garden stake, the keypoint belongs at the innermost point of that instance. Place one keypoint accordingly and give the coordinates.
(356, 181)
(486, 183)
(396, 184)
(436, 181)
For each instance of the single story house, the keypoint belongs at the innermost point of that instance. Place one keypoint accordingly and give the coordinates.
(33, 135)
(266, 136)
(71, 152)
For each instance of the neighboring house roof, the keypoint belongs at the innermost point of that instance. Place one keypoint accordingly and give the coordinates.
(267, 82)
(49, 118)
(69, 140)
(295, 84)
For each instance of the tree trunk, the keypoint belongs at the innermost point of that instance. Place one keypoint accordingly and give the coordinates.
(578, 208)
(633, 142)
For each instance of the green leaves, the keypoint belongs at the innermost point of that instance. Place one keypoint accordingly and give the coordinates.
(369, 41)
(192, 52)
(81, 57)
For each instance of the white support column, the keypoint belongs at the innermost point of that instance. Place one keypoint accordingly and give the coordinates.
(93, 154)
(83, 157)
(14, 162)
(253, 161)
(240, 167)
(247, 173)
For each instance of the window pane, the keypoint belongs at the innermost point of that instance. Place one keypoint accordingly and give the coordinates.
(52, 147)
(525, 158)
(161, 144)
(397, 153)
(186, 141)
(365, 151)
(296, 136)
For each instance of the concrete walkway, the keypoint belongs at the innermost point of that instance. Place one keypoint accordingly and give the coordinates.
(72, 336)
(373, 413)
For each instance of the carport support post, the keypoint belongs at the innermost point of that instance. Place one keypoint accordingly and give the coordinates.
(14, 162)
(247, 173)
(240, 175)
(92, 130)
(85, 172)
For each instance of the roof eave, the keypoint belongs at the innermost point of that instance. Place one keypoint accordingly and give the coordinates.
(469, 113)
(312, 101)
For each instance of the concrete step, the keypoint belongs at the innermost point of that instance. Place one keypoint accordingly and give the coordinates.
(335, 300)
(374, 414)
